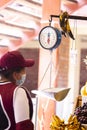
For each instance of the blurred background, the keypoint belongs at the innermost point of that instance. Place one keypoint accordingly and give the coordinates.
(20, 24)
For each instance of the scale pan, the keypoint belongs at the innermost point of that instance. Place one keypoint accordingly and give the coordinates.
(57, 94)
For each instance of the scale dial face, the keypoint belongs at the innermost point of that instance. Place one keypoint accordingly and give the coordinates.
(48, 37)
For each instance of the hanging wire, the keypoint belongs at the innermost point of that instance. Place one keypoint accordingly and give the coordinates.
(44, 73)
(49, 65)
(74, 32)
(50, 82)
(72, 46)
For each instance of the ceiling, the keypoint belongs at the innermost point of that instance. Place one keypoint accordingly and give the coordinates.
(20, 20)
(73, 5)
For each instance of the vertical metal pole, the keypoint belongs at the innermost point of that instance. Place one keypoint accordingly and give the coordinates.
(36, 112)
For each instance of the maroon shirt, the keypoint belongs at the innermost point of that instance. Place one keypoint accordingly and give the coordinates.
(7, 118)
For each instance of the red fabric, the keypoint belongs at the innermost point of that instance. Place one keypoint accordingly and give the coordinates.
(6, 97)
(25, 125)
(14, 59)
(6, 92)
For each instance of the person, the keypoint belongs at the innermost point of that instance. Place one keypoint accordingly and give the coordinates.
(16, 107)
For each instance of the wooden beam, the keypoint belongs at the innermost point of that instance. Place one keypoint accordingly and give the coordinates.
(4, 3)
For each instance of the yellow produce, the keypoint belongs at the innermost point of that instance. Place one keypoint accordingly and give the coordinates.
(84, 90)
(72, 124)
(57, 123)
(64, 24)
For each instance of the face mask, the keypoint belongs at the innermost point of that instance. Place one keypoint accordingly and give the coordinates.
(21, 81)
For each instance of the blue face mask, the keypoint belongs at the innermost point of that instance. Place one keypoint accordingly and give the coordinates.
(21, 81)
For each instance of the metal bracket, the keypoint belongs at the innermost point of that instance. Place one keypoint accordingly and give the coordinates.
(70, 17)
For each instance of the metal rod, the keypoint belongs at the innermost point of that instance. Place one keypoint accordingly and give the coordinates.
(70, 17)
(36, 108)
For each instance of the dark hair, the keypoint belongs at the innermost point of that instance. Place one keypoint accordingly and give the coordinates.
(8, 74)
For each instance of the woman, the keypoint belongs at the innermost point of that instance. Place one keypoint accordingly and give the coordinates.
(16, 107)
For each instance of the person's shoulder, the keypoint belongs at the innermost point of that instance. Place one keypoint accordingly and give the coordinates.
(19, 91)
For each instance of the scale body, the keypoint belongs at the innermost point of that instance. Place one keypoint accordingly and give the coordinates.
(49, 37)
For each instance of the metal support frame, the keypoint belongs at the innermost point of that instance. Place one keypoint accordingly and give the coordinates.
(70, 17)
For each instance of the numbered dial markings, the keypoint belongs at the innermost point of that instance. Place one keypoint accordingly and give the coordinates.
(48, 37)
